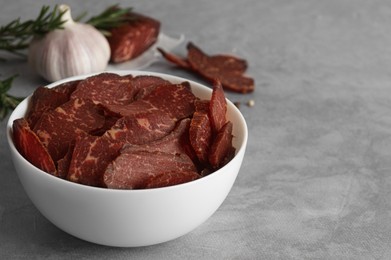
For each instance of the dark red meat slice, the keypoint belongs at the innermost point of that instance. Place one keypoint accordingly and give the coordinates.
(92, 154)
(67, 88)
(106, 88)
(64, 163)
(145, 81)
(31, 148)
(133, 170)
(57, 129)
(144, 84)
(171, 178)
(202, 106)
(217, 108)
(171, 143)
(200, 133)
(90, 158)
(183, 63)
(47, 99)
(221, 147)
(131, 39)
(228, 62)
(177, 100)
(141, 128)
(227, 69)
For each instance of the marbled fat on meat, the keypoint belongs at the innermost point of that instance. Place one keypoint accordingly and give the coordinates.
(133, 38)
(222, 146)
(58, 128)
(133, 170)
(47, 99)
(106, 88)
(90, 158)
(177, 100)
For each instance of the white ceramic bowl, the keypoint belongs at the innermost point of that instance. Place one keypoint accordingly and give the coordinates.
(130, 218)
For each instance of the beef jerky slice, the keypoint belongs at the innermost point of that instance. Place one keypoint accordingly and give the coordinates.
(200, 133)
(92, 154)
(133, 38)
(64, 163)
(57, 129)
(227, 69)
(144, 84)
(90, 158)
(177, 100)
(141, 128)
(171, 143)
(31, 148)
(106, 88)
(133, 170)
(222, 146)
(217, 107)
(179, 61)
(47, 99)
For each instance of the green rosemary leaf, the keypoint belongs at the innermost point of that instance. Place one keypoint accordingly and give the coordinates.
(16, 35)
(7, 101)
(111, 17)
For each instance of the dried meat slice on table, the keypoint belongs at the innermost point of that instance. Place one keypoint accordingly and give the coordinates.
(228, 69)
(133, 38)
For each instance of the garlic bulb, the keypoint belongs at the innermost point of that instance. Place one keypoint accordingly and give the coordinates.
(77, 49)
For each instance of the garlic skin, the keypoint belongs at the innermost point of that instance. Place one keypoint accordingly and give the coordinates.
(75, 50)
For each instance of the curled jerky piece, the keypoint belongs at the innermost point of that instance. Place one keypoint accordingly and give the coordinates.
(226, 68)
(31, 148)
(217, 107)
(200, 135)
(221, 147)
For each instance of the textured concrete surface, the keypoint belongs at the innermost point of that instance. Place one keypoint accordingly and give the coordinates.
(315, 182)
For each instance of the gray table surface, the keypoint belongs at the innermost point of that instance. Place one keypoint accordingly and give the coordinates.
(315, 182)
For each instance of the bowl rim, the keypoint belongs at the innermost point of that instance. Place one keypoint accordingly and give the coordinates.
(61, 181)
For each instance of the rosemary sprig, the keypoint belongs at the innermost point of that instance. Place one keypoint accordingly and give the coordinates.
(111, 17)
(7, 101)
(16, 35)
